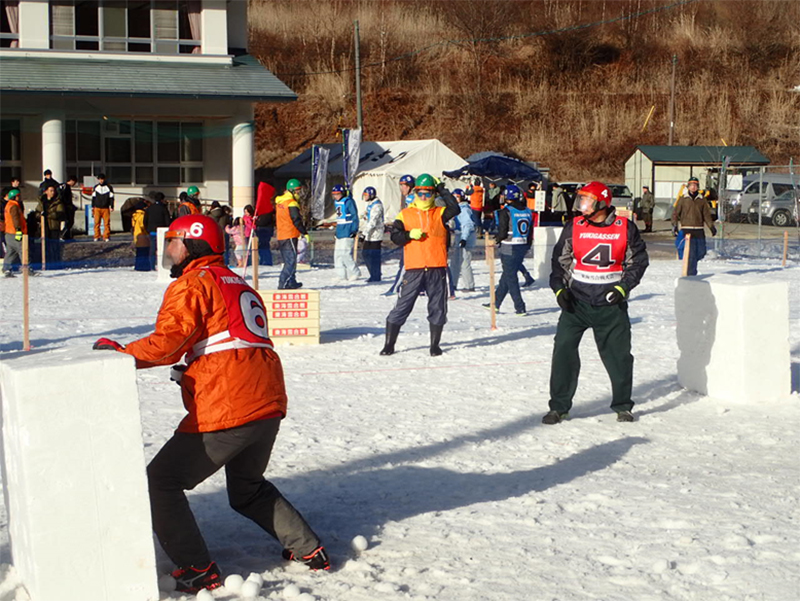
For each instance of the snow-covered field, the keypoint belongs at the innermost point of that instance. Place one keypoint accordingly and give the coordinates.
(443, 464)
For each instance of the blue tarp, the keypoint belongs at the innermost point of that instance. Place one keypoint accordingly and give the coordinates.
(497, 167)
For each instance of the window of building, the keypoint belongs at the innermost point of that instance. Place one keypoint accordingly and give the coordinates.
(10, 151)
(156, 26)
(136, 152)
(9, 23)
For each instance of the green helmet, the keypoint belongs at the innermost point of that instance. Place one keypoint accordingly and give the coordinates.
(426, 181)
(12, 194)
(293, 184)
(193, 191)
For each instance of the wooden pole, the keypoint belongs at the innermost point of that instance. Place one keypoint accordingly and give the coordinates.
(490, 260)
(26, 335)
(785, 245)
(44, 247)
(687, 248)
(255, 261)
(355, 251)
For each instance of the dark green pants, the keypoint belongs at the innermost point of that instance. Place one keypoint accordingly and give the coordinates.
(612, 334)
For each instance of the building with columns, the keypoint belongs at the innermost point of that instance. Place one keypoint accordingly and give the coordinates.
(156, 94)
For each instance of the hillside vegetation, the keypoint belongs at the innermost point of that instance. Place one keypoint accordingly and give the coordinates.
(575, 100)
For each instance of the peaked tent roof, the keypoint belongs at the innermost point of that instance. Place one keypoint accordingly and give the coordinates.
(374, 156)
(497, 167)
(704, 155)
(243, 79)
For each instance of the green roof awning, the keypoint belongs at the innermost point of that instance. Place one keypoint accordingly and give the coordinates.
(703, 155)
(244, 79)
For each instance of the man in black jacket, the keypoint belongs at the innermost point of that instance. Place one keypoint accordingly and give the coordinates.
(596, 263)
(65, 195)
(47, 181)
(156, 216)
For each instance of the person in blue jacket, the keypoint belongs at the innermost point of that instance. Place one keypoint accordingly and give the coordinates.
(463, 243)
(346, 232)
(514, 235)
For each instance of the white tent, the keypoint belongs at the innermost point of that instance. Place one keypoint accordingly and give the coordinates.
(381, 166)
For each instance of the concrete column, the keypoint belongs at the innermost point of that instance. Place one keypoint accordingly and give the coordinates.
(214, 19)
(34, 24)
(242, 169)
(53, 146)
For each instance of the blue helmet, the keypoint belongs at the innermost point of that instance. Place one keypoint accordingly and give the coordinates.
(513, 193)
(371, 192)
(337, 188)
(459, 192)
(408, 179)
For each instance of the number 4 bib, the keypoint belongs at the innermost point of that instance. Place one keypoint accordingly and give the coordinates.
(599, 251)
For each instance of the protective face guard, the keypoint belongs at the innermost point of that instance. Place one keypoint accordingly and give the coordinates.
(166, 261)
(587, 205)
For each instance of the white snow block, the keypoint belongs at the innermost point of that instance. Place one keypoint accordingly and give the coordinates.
(733, 337)
(544, 239)
(74, 476)
(162, 273)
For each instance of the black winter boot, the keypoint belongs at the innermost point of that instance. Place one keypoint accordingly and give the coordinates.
(392, 331)
(436, 336)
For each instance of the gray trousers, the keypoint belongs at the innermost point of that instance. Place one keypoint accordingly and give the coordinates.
(461, 265)
(346, 268)
(187, 459)
(434, 282)
(13, 252)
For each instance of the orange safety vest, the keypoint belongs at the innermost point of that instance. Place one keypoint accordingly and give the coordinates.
(431, 250)
(476, 198)
(283, 220)
(9, 221)
(193, 210)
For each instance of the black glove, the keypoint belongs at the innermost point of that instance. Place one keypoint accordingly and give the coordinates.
(675, 230)
(565, 300)
(353, 235)
(713, 231)
(615, 295)
(463, 244)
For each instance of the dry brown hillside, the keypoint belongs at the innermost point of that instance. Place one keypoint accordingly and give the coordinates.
(575, 100)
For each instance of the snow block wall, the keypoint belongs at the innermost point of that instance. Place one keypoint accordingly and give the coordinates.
(74, 476)
(162, 273)
(544, 239)
(733, 337)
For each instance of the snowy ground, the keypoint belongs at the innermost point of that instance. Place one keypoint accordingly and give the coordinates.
(443, 465)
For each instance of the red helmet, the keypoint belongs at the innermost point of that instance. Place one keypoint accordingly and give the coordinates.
(598, 192)
(198, 227)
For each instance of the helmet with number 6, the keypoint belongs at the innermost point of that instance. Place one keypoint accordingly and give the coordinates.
(198, 227)
(595, 193)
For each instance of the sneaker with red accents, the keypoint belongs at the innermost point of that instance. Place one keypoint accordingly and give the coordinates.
(316, 560)
(194, 579)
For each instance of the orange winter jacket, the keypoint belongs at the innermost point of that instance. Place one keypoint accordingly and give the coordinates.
(220, 390)
(476, 198)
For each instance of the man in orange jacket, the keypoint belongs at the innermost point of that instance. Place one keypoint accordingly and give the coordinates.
(421, 229)
(233, 390)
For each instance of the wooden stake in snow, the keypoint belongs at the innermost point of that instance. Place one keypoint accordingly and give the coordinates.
(687, 248)
(490, 261)
(26, 336)
(44, 252)
(255, 261)
(355, 250)
(785, 246)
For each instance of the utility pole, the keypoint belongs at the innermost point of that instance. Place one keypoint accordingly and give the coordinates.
(671, 98)
(358, 81)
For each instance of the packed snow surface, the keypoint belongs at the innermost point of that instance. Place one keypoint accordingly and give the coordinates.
(443, 466)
